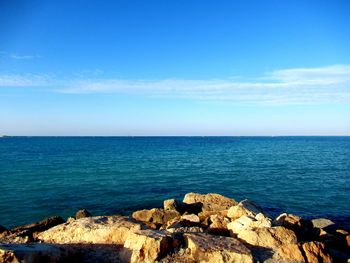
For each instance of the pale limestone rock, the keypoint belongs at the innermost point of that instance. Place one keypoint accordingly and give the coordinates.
(156, 216)
(207, 248)
(249, 222)
(321, 223)
(145, 246)
(100, 230)
(272, 237)
(210, 202)
(245, 207)
(315, 252)
(191, 217)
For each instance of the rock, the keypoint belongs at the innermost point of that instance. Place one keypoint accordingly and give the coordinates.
(209, 202)
(249, 222)
(82, 213)
(244, 208)
(315, 252)
(32, 253)
(218, 225)
(302, 228)
(321, 223)
(156, 216)
(40, 226)
(206, 248)
(191, 229)
(272, 237)
(145, 246)
(95, 230)
(180, 222)
(191, 217)
(204, 216)
(19, 237)
(172, 204)
(289, 253)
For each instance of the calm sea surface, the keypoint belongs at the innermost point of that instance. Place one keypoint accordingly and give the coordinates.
(44, 176)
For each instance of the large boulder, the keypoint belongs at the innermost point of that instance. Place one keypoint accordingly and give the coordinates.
(207, 248)
(244, 208)
(98, 230)
(268, 237)
(209, 202)
(146, 246)
(156, 216)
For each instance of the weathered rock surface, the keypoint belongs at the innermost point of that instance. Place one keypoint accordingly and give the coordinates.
(82, 213)
(272, 237)
(204, 248)
(100, 229)
(302, 228)
(244, 208)
(321, 223)
(156, 216)
(218, 225)
(315, 252)
(209, 202)
(249, 222)
(146, 246)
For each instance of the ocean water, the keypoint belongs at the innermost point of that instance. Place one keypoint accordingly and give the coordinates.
(44, 176)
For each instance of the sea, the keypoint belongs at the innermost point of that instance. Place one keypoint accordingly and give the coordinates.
(45, 176)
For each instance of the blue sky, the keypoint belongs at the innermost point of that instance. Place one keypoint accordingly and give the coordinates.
(175, 67)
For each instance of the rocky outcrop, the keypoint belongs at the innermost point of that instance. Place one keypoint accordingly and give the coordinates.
(202, 228)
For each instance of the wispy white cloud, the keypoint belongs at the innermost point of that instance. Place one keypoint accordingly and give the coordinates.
(25, 80)
(287, 86)
(18, 56)
(23, 57)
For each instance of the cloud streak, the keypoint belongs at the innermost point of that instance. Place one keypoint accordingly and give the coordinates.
(287, 86)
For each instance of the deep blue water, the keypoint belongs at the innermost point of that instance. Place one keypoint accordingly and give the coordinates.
(44, 176)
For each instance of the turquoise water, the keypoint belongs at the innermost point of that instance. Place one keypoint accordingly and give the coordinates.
(43, 176)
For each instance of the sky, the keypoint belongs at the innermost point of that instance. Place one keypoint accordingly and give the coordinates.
(184, 67)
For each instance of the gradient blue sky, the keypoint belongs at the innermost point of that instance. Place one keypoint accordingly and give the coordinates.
(179, 67)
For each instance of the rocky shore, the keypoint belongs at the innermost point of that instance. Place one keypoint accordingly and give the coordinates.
(200, 228)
